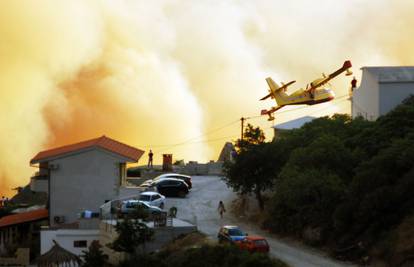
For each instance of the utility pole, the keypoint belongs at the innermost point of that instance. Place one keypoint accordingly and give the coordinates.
(242, 127)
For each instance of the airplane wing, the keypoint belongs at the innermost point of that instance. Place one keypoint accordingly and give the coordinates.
(274, 87)
(320, 82)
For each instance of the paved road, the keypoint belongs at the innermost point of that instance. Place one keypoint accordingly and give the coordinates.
(200, 207)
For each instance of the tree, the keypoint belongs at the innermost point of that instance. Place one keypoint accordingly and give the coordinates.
(94, 256)
(254, 170)
(132, 232)
(305, 198)
(380, 195)
(252, 136)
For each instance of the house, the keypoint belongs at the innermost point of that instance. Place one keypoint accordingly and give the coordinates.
(22, 230)
(381, 89)
(75, 239)
(292, 124)
(81, 177)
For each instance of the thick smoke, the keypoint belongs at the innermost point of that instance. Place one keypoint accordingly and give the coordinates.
(153, 73)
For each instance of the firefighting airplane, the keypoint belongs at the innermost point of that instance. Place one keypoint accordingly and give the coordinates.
(310, 96)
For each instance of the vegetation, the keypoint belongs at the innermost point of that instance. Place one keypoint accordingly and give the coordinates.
(132, 232)
(94, 256)
(204, 256)
(179, 162)
(254, 166)
(349, 182)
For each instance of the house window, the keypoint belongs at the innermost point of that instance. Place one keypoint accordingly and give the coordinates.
(80, 243)
(122, 173)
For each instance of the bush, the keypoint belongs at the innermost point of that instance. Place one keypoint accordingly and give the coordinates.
(305, 199)
(205, 256)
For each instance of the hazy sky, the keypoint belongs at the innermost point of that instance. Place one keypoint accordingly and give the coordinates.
(175, 75)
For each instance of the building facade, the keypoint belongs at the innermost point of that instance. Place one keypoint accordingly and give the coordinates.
(73, 240)
(22, 230)
(381, 90)
(83, 176)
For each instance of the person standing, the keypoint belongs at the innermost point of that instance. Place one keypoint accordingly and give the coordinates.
(354, 83)
(221, 209)
(353, 86)
(150, 158)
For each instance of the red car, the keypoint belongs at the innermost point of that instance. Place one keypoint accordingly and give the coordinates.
(254, 244)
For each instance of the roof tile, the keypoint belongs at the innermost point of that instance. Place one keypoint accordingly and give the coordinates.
(29, 216)
(104, 142)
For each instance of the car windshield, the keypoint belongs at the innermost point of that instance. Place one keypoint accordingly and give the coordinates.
(145, 197)
(235, 232)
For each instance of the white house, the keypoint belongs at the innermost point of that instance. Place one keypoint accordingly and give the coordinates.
(73, 240)
(292, 124)
(381, 89)
(83, 176)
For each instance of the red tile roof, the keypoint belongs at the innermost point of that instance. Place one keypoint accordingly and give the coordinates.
(29, 216)
(104, 142)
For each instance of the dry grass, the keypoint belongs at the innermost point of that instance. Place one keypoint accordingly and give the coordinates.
(246, 208)
(191, 240)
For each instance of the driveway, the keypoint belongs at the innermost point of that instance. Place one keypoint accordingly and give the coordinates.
(200, 208)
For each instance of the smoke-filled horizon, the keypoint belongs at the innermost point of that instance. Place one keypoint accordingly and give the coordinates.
(157, 73)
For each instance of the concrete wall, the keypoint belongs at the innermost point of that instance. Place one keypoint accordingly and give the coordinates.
(38, 185)
(22, 258)
(365, 99)
(162, 236)
(65, 238)
(211, 168)
(83, 181)
(392, 94)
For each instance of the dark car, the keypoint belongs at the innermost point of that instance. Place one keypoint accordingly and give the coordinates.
(231, 234)
(185, 178)
(171, 187)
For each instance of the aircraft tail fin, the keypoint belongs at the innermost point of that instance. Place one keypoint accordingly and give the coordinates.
(276, 91)
(272, 85)
(273, 88)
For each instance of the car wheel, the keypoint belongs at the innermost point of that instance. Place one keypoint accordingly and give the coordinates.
(181, 193)
(162, 206)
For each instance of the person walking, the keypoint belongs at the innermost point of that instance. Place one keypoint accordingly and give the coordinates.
(221, 209)
(150, 158)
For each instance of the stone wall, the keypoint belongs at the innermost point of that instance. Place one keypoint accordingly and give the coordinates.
(22, 258)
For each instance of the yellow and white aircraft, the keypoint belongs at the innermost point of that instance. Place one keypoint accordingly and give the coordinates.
(310, 96)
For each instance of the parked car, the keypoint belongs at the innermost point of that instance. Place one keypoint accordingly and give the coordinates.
(153, 199)
(128, 206)
(171, 187)
(231, 234)
(254, 244)
(185, 178)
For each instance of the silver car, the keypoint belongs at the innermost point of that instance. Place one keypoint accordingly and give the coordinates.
(129, 206)
(153, 199)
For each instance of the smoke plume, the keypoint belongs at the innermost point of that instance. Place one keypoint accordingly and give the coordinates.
(156, 73)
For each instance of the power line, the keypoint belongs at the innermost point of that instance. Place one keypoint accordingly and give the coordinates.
(205, 134)
(189, 141)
